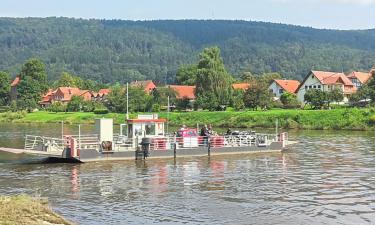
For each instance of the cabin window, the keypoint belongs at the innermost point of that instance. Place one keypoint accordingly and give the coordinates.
(150, 129)
(138, 129)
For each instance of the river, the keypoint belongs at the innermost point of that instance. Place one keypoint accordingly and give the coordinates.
(327, 178)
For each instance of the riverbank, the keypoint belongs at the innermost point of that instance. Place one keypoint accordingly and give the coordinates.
(336, 119)
(24, 209)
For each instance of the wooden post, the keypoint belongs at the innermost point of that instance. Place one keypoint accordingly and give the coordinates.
(174, 150)
(209, 148)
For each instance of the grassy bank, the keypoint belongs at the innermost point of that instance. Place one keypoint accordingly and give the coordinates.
(347, 119)
(26, 210)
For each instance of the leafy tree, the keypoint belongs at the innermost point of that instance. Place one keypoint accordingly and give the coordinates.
(257, 95)
(66, 80)
(237, 100)
(57, 107)
(335, 95)
(289, 100)
(316, 98)
(213, 81)
(4, 88)
(187, 75)
(116, 100)
(160, 95)
(33, 84)
(76, 104)
(155, 108)
(183, 104)
(139, 101)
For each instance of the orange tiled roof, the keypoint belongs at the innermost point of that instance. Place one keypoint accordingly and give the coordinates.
(184, 91)
(332, 77)
(243, 86)
(290, 86)
(16, 81)
(102, 92)
(68, 92)
(361, 76)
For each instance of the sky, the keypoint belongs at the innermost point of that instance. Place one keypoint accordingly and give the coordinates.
(330, 14)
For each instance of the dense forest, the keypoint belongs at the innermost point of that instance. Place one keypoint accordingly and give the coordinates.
(114, 50)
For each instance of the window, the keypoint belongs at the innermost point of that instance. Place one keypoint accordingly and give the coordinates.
(310, 87)
(281, 91)
(150, 129)
(306, 87)
(319, 86)
(314, 86)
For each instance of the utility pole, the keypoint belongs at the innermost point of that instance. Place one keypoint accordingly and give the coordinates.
(127, 100)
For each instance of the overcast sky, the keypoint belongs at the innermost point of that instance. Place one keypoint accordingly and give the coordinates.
(337, 14)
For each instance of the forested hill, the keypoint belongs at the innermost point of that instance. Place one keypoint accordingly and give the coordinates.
(115, 50)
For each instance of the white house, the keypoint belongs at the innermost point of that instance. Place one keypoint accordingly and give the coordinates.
(278, 87)
(326, 81)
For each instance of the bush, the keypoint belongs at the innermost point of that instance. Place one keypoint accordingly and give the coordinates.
(155, 108)
(371, 120)
(101, 111)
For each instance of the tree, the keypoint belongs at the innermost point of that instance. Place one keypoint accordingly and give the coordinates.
(335, 95)
(139, 100)
(160, 95)
(66, 80)
(289, 100)
(57, 107)
(116, 100)
(187, 75)
(316, 98)
(213, 85)
(33, 84)
(183, 104)
(75, 104)
(257, 95)
(237, 99)
(4, 88)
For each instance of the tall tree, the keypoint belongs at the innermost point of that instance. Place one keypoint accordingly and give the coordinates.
(33, 83)
(213, 81)
(4, 88)
(66, 80)
(187, 75)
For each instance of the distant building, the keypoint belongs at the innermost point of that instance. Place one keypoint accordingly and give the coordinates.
(241, 86)
(65, 94)
(182, 91)
(278, 87)
(359, 78)
(147, 85)
(326, 81)
(13, 88)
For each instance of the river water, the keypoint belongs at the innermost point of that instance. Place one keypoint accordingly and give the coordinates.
(327, 178)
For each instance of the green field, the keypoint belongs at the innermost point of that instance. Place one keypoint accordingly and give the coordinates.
(346, 119)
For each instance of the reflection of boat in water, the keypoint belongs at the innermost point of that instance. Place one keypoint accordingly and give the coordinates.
(143, 138)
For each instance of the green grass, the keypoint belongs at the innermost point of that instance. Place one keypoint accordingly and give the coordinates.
(336, 119)
(24, 209)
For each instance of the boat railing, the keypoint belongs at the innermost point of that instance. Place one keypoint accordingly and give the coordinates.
(168, 143)
(42, 143)
(87, 141)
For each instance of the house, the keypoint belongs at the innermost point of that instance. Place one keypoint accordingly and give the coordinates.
(326, 81)
(241, 86)
(278, 87)
(100, 95)
(13, 88)
(359, 78)
(147, 85)
(47, 98)
(184, 92)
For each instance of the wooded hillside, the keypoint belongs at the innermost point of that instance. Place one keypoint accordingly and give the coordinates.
(114, 50)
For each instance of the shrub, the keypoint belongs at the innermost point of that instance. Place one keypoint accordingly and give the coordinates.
(371, 120)
(101, 111)
(155, 108)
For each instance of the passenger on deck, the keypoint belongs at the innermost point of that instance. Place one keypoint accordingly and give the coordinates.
(205, 133)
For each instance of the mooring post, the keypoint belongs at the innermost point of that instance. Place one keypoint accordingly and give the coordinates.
(209, 147)
(174, 150)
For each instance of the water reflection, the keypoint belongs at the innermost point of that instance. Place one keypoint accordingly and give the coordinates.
(328, 178)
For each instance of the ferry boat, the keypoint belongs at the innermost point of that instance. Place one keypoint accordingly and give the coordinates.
(145, 138)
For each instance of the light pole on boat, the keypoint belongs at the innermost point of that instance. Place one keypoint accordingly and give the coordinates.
(168, 117)
(127, 101)
(277, 127)
(62, 131)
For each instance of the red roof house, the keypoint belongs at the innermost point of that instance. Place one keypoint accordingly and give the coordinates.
(183, 91)
(147, 85)
(359, 78)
